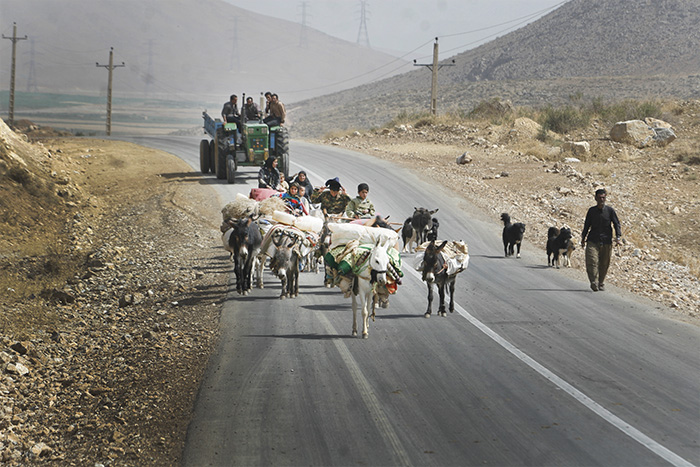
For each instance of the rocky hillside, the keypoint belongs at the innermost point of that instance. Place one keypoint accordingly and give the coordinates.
(587, 38)
(612, 49)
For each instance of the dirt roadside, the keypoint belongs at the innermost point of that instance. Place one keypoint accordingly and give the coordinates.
(101, 361)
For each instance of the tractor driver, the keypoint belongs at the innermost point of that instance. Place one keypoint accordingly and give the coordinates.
(230, 112)
(250, 109)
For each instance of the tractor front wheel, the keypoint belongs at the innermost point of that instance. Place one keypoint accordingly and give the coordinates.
(285, 165)
(204, 165)
(212, 155)
(230, 169)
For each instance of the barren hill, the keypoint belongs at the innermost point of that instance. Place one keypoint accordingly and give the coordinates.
(613, 49)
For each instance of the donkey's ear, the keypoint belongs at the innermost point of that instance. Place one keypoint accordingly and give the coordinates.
(442, 246)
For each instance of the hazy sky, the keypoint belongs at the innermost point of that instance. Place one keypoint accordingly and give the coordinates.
(407, 28)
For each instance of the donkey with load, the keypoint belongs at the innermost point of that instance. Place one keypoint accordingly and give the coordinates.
(365, 264)
(440, 265)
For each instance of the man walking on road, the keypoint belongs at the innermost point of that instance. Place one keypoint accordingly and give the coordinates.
(597, 238)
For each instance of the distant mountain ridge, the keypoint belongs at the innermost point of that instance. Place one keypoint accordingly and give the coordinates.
(602, 48)
(176, 49)
(593, 38)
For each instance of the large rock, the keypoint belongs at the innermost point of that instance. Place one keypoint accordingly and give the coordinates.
(663, 136)
(578, 148)
(634, 132)
(641, 134)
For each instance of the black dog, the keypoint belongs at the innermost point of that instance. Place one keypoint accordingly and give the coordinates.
(557, 244)
(433, 232)
(512, 235)
(422, 222)
(408, 236)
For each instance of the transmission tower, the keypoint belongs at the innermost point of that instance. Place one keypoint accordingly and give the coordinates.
(362, 33)
(302, 33)
(235, 62)
(31, 77)
(148, 78)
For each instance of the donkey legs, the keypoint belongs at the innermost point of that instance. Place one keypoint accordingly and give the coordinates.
(430, 300)
(441, 291)
(452, 295)
(260, 267)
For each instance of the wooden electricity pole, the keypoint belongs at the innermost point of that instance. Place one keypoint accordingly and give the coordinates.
(110, 67)
(434, 67)
(14, 40)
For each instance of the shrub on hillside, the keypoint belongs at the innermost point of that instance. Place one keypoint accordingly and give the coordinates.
(564, 119)
(625, 110)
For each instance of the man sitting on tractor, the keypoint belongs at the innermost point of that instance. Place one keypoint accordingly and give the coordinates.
(277, 112)
(251, 110)
(230, 112)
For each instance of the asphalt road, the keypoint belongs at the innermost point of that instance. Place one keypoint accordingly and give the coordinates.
(532, 369)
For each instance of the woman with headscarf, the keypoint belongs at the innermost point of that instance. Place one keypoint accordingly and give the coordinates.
(303, 180)
(269, 176)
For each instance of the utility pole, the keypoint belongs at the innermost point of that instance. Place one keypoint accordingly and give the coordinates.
(110, 67)
(434, 67)
(14, 40)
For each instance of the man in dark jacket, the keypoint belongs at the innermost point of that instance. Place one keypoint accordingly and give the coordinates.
(230, 111)
(251, 110)
(597, 238)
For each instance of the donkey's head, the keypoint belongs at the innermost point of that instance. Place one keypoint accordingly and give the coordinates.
(379, 261)
(433, 261)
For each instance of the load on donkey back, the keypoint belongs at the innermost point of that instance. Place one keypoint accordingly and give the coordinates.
(348, 259)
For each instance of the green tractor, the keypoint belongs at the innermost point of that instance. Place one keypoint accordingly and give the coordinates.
(252, 144)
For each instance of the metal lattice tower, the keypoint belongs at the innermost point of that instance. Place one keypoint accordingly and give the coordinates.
(362, 33)
(148, 77)
(235, 63)
(31, 77)
(302, 33)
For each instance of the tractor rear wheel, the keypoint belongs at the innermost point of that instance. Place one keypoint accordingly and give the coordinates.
(204, 156)
(281, 141)
(282, 149)
(230, 169)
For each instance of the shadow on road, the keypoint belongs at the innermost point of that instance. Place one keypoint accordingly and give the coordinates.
(304, 336)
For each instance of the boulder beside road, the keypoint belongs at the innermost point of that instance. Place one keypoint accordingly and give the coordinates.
(641, 134)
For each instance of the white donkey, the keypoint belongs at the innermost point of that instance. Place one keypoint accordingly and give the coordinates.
(368, 275)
